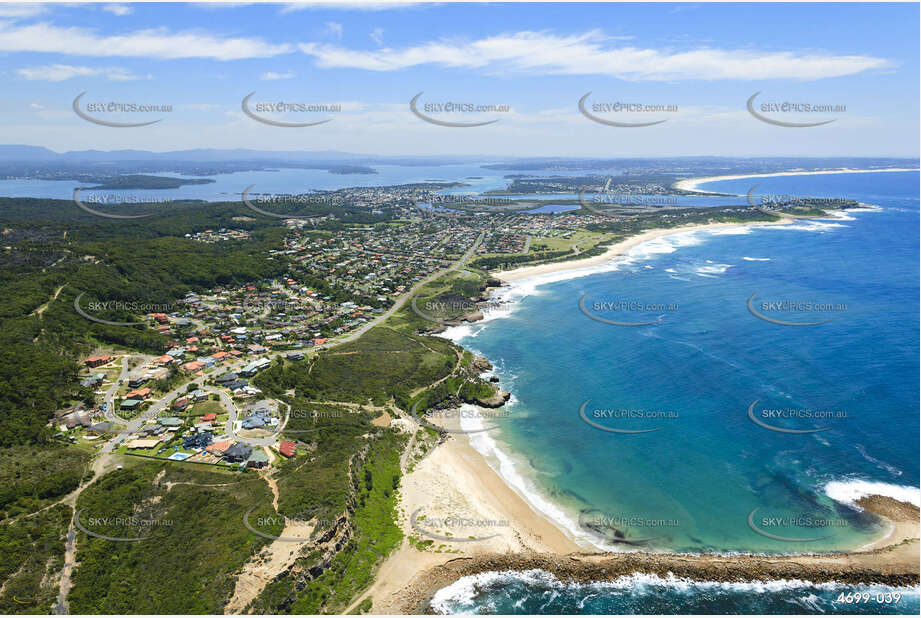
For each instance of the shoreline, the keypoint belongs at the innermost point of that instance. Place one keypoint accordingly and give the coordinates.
(458, 479)
(894, 564)
(691, 184)
(620, 248)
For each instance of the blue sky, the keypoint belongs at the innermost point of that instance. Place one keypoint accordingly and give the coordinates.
(537, 59)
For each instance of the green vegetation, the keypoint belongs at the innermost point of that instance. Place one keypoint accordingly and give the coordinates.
(31, 478)
(149, 264)
(381, 365)
(194, 535)
(32, 553)
(146, 181)
(374, 534)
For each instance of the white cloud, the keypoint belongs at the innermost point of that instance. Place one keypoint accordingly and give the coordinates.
(334, 29)
(591, 53)
(377, 35)
(21, 10)
(62, 72)
(152, 43)
(273, 76)
(118, 9)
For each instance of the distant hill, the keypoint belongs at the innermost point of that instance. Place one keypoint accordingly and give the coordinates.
(19, 152)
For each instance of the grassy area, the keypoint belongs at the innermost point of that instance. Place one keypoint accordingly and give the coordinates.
(204, 407)
(585, 240)
(380, 365)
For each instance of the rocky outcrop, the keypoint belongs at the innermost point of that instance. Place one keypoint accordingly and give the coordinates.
(481, 364)
(585, 568)
(496, 401)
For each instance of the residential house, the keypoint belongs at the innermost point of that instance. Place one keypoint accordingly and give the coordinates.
(140, 393)
(96, 361)
(199, 440)
(258, 459)
(238, 453)
(218, 448)
(93, 381)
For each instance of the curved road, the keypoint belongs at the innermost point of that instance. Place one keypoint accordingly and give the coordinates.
(412, 292)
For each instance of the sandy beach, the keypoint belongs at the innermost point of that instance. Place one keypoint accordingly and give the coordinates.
(453, 492)
(460, 517)
(894, 564)
(618, 249)
(691, 184)
(455, 481)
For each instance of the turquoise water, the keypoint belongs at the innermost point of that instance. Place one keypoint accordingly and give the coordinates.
(708, 478)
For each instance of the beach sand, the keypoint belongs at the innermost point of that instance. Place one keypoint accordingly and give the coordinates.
(691, 184)
(455, 480)
(894, 564)
(618, 249)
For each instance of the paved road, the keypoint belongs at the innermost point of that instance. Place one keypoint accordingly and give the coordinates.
(153, 411)
(412, 292)
(110, 413)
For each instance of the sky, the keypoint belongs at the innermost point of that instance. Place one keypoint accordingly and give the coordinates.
(698, 64)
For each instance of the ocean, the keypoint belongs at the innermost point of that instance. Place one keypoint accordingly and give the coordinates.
(537, 592)
(755, 382)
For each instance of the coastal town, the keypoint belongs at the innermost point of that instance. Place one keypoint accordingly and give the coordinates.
(196, 402)
(370, 281)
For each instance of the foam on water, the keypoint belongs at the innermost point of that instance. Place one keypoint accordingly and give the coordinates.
(465, 594)
(851, 490)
